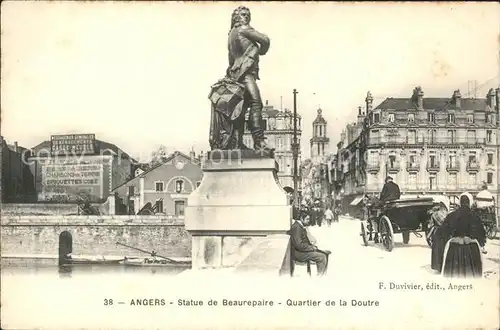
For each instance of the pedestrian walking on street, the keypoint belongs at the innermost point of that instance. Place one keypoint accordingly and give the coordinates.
(462, 254)
(329, 216)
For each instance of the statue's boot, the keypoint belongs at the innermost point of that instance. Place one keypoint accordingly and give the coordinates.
(259, 142)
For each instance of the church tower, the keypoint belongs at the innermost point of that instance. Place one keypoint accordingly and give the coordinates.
(319, 141)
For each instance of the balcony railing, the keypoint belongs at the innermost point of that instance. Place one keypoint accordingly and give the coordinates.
(453, 166)
(472, 166)
(373, 167)
(412, 167)
(425, 140)
(394, 168)
(433, 166)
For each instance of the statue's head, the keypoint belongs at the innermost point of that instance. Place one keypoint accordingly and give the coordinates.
(240, 16)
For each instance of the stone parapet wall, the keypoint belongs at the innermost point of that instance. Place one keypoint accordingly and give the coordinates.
(95, 235)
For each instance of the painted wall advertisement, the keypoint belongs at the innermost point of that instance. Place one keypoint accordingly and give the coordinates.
(68, 180)
(73, 143)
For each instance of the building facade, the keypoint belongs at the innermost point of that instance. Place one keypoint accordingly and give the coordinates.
(279, 135)
(428, 145)
(15, 176)
(166, 186)
(69, 168)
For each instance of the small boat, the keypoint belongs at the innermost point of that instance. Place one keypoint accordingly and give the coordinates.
(141, 262)
(91, 260)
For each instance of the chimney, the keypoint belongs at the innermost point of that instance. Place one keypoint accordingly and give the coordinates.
(490, 99)
(192, 155)
(369, 101)
(267, 103)
(418, 97)
(15, 146)
(456, 98)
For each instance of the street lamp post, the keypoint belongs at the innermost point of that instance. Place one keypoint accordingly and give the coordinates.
(295, 151)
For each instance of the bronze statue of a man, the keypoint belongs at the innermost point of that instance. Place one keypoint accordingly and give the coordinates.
(233, 95)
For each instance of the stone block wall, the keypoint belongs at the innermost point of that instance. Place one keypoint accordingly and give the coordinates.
(95, 235)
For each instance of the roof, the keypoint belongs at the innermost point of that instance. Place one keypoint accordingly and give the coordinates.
(271, 112)
(319, 118)
(166, 160)
(434, 103)
(100, 146)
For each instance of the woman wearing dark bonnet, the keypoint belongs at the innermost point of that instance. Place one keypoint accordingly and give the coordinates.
(467, 237)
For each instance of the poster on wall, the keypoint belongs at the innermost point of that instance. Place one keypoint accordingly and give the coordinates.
(77, 144)
(71, 180)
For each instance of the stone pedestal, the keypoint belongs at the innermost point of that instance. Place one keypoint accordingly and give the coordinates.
(237, 205)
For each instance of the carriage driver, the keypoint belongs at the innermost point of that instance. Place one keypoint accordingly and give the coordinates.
(390, 191)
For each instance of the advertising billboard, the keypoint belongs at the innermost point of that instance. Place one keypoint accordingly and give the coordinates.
(72, 143)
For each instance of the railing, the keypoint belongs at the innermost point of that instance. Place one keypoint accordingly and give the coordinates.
(373, 167)
(412, 167)
(428, 140)
(472, 166)
(432, 166)
(394, 168)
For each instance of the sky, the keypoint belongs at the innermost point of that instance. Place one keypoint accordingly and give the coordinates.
(138, 74)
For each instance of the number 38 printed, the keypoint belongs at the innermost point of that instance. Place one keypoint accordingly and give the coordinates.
(108, 302)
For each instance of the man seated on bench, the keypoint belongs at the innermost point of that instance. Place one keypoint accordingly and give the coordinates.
(303, 250)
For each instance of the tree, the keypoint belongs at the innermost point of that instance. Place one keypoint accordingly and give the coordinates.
(158, 156)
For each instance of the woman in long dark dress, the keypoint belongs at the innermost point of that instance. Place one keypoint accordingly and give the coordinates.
(438, 241)
(462, 255)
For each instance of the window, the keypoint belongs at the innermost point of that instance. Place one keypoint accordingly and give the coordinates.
(489, 178)
(413, 160)
(453, 180)
(432, 160)
(489, 136)
(392, 161)
(451, 136)
(472, 157)
(131, 190)
(432, 182)
(159, 186)
(179, 185)
(179, 208)
(412, 136)
(159, 206)
(198, 183)
(488, 118)
(452, 157)
(411, 117)
(391, 118)
(431, 117)
(470, 118)
(376, 117)
(471, 136)
(472, 179)
(412, 181)
(451, 118)
(432, 135)
(490, 159)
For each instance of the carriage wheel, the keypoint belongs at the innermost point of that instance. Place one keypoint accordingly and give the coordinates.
(364, 234)
(386, 233)
(491, 231)
(406, 237)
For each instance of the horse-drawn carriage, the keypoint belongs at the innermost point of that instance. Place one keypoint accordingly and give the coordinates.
(402, 216)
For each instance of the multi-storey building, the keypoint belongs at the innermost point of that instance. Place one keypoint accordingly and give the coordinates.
(279, 135)
(428, 145)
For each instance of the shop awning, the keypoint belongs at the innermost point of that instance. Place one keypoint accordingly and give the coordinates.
(356, 201)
